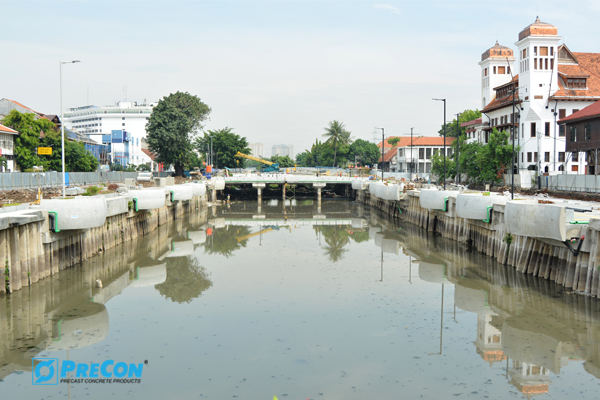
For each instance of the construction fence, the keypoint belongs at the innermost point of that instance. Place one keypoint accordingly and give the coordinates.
(31, 180)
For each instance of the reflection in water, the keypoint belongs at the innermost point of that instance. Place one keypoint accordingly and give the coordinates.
(280, 316)
(186, 280)
(67, 311)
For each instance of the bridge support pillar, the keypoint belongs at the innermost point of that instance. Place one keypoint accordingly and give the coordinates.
(259, 187)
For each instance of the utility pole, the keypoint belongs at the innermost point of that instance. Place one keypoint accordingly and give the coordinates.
(411, 153)
(457, 144)
(382, 149)
(444, 100)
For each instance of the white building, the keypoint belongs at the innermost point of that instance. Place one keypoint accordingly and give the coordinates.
(7, 145)
(552, 83)
(400, 158)
(257, 149)
(283, 150)
(98, 122)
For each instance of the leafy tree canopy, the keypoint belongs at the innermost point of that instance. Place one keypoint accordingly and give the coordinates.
(465, 116)
(225, 146)
(172, 127)
(365, 152)
(337, 136)
(284, 162)
(186, 280)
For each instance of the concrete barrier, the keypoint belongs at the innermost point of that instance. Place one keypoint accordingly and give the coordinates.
(151, 273)
(432, 272)
(217, 184)
(88, 327)
(360, 184)
(79, 213)
(144, 176)
(181, 248)
(198, 237)
(180, 192)
(530, 219)
(199, 189)
(148, 199)
(476, 205)
(116, 205)
(433, 199)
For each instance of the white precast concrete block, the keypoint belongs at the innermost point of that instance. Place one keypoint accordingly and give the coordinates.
(198, 237)
(219, 184)
(359, 184)
(76, 213)
(433, 199)
(180, 192)
(391, 246)
(217, 223)
(378, 239)
(89, 326)
(373, 231)
(475, 205)
(467, 297)
(528, 218)
(198, 189)
(432, 273)
(150, 274)
(357, 223)
(144, 176)
(116, 205)
(390, 192)
(181, 248)
(146, 199)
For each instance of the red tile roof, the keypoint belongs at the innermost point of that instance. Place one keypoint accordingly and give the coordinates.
(6, 129)
(21, 105)
(501, 102)
(417, 141)
(589, 67)
(149, 154)
(591, 111)
(472, 122)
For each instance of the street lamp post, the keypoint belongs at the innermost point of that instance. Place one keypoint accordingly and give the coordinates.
(457, 144)
(411, 153)
(62, 125)
(382, 149)
(444, 100)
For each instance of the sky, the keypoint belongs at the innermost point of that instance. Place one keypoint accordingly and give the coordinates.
(277, 72)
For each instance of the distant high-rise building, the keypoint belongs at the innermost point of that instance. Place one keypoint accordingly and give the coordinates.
(257, 149)
(283, 150)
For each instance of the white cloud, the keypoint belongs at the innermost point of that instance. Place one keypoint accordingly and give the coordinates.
(387, 7)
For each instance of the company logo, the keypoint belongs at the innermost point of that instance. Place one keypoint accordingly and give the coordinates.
(45, 371)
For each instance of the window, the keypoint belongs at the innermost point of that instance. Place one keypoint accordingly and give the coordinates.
(587, 132)
(535, 157)
(522, 156)
(535, 63)
(421, 153)
(428, 153)
(533, 131)
(576, 83)
(543, 51)
(562, 113)
(561, 130)
(551, 51)
(529, 158)
(573, 134)
(552, 64)
(524, 53)
(522, 130)
(547, 156)
(502, 70)
(449, 151)
(561, 156)
(574, 168)
(574, 110)
(535, 50)
(485, 72)
(547, 129)
(508, 70)
(575, 156)
(545, 63)
(494, 70)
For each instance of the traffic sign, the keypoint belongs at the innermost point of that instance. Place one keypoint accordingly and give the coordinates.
(45, 150)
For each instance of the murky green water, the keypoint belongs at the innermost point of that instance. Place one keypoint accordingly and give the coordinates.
(246, 303)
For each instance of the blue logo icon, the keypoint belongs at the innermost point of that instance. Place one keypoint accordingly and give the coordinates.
(45, 371)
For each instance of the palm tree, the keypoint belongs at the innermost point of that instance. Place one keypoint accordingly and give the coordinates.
(336, 134)
(3, 163)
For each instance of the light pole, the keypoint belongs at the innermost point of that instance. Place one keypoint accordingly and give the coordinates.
(62, 124)
(382, 149)
(457, 144)
(411, 153)
(444, 100)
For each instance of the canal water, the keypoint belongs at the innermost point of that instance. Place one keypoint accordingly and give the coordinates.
(300, 302)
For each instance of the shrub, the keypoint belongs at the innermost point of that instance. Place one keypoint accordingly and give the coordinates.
(112, 186)
(91, 191)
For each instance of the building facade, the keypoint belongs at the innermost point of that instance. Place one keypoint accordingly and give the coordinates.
(526, 95)
(257, 149)
(283, 150)
(583, 136)
(7, 146)
(105, 122)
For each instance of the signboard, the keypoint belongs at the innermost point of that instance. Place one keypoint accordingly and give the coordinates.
(45, 150)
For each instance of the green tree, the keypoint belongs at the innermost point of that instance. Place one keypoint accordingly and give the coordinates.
(3, 163)
(226, 241)
(304, 159)
(28, 140)
(225, 145)
(336, 135)
(365, 152)
(336, 239)
(393, 141)
(172, 126)
(284, 162)
(186, 280)
(465, 116)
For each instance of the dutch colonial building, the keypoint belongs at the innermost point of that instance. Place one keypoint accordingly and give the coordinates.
(545, 82)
